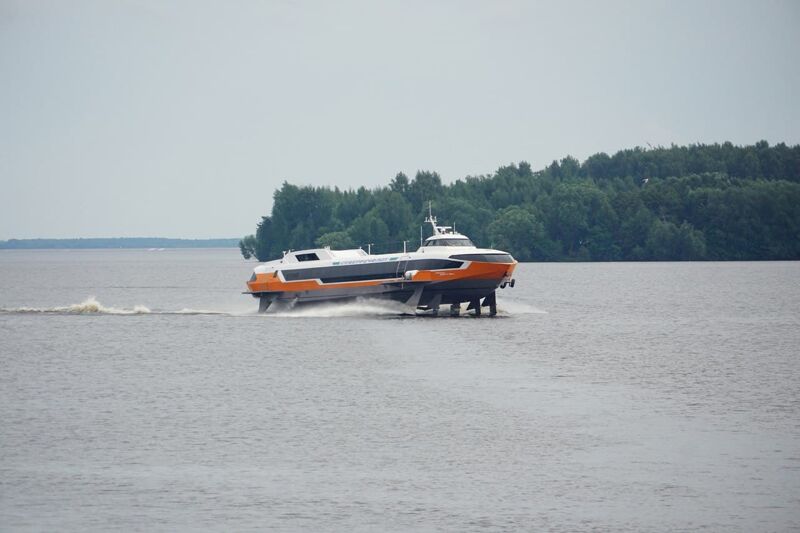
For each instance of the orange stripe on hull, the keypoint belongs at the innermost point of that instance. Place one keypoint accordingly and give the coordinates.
(266, 283)
(476, 270)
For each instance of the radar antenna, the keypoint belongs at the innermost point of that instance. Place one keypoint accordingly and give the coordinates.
(437, 230)
(432, 219)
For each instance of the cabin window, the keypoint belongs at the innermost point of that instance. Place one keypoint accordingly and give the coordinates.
(485, 258)
(307, 257)
(449, 242)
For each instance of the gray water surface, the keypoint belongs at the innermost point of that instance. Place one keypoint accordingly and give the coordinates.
(632, 397)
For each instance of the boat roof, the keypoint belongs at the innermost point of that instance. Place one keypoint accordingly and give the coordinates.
(346, 254)
(451, 235)
(319, 254)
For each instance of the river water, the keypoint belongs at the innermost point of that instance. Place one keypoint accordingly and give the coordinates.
(140, 390)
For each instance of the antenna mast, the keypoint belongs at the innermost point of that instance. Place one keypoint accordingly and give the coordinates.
(432, 219)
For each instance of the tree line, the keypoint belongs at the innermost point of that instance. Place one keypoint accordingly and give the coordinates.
(696, 202)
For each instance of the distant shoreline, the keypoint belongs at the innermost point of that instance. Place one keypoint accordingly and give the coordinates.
(115, 243)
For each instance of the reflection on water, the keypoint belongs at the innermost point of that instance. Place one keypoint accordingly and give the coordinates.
(610, 396)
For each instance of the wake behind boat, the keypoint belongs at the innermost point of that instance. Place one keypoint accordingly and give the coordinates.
(447, 269)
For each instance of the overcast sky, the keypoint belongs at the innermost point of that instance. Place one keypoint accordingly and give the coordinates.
(179, 119)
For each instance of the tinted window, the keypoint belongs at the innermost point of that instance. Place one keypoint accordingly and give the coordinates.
(307, 257)
(486, 258)
(339, 273)
(432, 264)
(449, 242)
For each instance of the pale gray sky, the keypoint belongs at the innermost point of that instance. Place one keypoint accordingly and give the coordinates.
(179, 119)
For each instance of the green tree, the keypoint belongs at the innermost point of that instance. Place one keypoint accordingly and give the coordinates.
(469, 219)
(425, 186)
(338, 240)
(668, 242)
(248, 246)
(369, 229)
(393, 209)
(516, 228)
(265, 246)
(400, 184)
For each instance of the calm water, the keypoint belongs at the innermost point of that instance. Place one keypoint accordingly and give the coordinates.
(640, 397)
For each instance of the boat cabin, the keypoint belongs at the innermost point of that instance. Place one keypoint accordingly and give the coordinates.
(444, 235)
(452, 239)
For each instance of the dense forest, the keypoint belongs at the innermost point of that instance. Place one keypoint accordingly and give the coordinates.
(697, 202)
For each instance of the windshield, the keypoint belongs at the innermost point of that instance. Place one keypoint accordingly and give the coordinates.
(449, 242)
